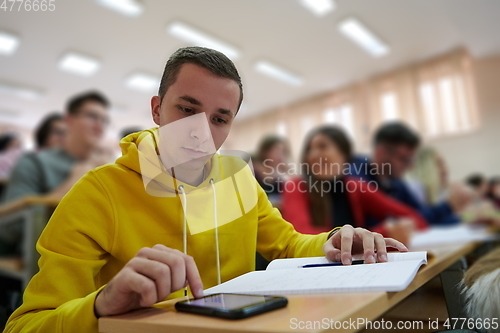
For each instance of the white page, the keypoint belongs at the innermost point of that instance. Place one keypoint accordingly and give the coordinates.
(390, 276)
(437, 236)
(299, 262)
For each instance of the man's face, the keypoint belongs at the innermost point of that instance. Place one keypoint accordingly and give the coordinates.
(57, 134)
(399, 157)
(89, 123)
(195, 115)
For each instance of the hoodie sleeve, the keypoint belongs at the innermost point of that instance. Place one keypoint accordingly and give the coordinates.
(276, 238)
(73, 247)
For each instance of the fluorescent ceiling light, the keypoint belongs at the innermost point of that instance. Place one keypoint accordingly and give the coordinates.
(79, 64)
(278, 73)
(125, 7)
(319, 7)
(143, 82)
(8, 43)
(359, 34)
(20, 92)
(199, 38)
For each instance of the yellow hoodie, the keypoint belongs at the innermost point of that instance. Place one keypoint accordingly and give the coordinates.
(115, 210)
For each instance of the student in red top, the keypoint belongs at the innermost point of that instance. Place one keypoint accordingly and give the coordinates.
(323, 197)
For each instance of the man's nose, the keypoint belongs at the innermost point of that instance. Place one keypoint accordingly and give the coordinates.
(200, 133)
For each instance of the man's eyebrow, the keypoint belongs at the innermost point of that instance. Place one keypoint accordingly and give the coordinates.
(191, 100)
(227, 112)
(194, 101)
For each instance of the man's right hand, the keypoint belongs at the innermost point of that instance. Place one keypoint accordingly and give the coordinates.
(148, 278)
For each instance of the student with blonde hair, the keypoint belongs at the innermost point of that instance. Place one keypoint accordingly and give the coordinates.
(429, 176)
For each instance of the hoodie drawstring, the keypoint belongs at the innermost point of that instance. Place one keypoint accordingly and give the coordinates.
(216, 226)
(184, 230)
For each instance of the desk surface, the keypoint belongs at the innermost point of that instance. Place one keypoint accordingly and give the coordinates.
(338, 307)
(16, 205)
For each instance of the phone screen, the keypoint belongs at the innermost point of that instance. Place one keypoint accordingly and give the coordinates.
(228, 301)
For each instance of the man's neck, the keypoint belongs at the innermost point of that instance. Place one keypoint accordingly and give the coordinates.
(75, 148)
(189, 176)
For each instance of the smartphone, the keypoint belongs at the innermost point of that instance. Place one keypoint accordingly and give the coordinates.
(232, 306)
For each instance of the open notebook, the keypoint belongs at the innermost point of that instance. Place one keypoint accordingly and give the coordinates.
(285, 276)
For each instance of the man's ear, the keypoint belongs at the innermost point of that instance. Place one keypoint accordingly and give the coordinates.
(155, 109)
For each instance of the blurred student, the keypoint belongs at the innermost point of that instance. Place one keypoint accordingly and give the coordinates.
(479, 184)
(271, 166)
(115, 243)
(52, 172)
(323, 197)
(482, 209)
(395, 146)
(494, 191)
(51, 132)
(10, 151)
(428, 177)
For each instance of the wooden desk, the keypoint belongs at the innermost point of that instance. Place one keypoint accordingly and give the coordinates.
(17, 205)
(338, 307)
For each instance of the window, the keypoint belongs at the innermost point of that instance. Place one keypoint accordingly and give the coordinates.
(281, 128)
(341, 116)
(444, 105)
(389, 106)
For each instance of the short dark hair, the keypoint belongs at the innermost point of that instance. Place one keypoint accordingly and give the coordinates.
(268, 142)
(214, 61)
(475, 180)
(75, 103)
(42, 133)
(396, 133)
(6, 139)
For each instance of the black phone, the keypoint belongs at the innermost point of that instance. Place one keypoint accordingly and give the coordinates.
(232, 306)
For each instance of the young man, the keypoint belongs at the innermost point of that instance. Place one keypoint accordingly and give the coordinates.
(124, 237)
(52, 172)
(395, 146)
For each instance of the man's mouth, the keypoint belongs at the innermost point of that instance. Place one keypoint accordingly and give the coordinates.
(194, 152)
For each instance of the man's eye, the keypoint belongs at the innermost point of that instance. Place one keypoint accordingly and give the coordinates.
(220, 120)
(186, 110)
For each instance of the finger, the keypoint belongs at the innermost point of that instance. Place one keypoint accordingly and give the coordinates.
(368, 244)
(391, 242)
(346, 234)
(191, 271)
(142, 286)
(331, 252)
(381, 248)
(193, 276)
(158, 272)
(174, 259)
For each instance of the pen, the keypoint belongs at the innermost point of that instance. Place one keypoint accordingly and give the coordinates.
(354, 262)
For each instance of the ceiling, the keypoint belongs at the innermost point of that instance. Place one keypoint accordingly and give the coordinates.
(281, 31)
